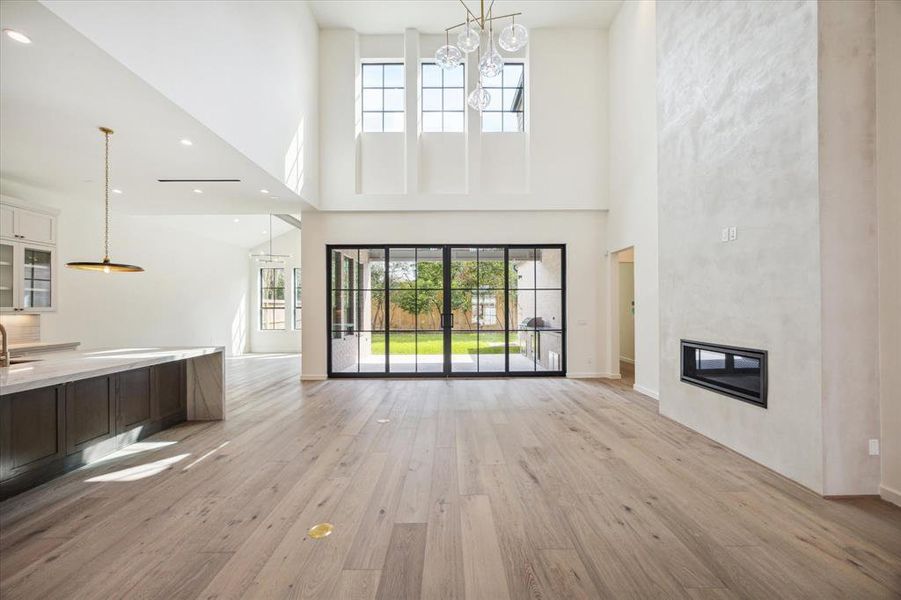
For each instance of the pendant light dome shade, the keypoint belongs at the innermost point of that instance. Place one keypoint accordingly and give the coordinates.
(105, 265)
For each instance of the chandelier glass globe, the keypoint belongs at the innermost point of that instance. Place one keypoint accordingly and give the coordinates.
(513, 37)
(479, 98)
(468, 40)
(448, 57)
(491, 64)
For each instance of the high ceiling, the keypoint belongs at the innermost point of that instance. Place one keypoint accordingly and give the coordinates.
(246, 231)
(55, 92)
(433, 16)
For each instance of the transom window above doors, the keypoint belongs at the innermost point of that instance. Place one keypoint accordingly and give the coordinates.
(383, 97)
(442, 98)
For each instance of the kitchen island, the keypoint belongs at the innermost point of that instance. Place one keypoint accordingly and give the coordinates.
(63, 410)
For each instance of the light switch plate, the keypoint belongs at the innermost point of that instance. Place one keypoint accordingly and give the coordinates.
(724, 236)
(874, 447)
(732, 234)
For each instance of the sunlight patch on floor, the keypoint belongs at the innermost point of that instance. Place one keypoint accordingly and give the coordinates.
(139, 472)
(131, 450)
(219, 447)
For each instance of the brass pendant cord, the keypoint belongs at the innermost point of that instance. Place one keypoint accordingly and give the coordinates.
(106, 134)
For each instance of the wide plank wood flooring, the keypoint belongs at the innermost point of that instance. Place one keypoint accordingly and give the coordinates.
(494, 489)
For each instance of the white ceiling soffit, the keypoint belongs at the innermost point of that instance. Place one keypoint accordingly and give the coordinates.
(55, 92)
(246, 231)
(433, 16)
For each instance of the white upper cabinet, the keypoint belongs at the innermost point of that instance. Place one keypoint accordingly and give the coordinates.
(24, 224)
(28, 262)
(7, 221)
(36, 227)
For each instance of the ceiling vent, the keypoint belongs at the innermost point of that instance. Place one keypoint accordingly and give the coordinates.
(199, 180)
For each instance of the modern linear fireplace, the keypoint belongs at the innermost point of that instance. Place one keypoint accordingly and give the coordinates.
(736, 372)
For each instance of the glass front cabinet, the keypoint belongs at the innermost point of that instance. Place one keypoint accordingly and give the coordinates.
(28, 269)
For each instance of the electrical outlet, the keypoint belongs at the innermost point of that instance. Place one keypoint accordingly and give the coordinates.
(724, 235)
(732, 234)
(874, 447)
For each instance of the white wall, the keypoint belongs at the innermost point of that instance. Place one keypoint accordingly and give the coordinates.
(848, 245)
(766, 122)
(247, 70)
(586, 322)
(192, 292)
(558, 163)
(888, 183)
(738, 145)
(633, 174)
(287, 340)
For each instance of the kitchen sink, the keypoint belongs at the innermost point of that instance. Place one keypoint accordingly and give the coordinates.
(20, 361)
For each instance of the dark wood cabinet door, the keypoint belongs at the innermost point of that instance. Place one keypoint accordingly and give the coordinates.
(90, 412)
(134, 399)
(169, 388)
(31, 430)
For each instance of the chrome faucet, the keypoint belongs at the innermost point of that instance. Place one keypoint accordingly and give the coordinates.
(4, 347)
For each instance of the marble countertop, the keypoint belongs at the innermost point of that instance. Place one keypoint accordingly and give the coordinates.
(60, 367)
(38, 347)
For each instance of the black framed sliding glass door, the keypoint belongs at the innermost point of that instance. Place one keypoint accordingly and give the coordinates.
(446, 310)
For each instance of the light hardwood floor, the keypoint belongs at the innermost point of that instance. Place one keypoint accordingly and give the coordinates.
(523, 488)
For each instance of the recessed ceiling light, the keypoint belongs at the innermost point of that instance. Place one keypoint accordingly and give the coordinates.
(264, 191)
(117, 191)
(236, 220)
(264, 233)
(197, 191)
(17, 36)
(186, 142)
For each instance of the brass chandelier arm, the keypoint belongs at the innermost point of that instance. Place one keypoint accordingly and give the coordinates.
(474, 18)
(487, 19)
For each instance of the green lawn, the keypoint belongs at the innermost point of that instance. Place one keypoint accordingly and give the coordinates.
(433, 343)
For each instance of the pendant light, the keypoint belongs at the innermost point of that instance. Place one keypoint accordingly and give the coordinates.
(491, 63)
(269, 257)
(106, 265)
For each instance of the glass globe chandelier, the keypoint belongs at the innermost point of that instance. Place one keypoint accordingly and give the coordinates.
(513, 38)
(469, 38)
(492, 63)
(479, 97)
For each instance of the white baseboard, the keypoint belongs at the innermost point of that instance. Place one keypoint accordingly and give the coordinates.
(890, 495)
(630, 361)
(647, 392)
(592, 375)
(313, 377)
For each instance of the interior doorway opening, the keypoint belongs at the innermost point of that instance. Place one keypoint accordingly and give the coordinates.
(625, 273)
